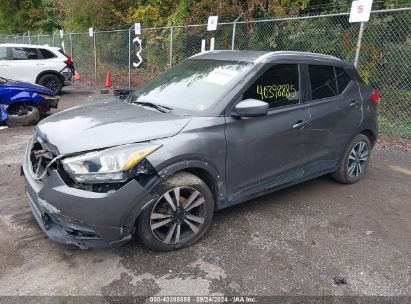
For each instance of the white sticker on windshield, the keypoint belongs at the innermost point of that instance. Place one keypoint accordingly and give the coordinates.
(221, 76)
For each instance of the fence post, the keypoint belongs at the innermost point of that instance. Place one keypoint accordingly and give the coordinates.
(129, 57)
(233, 37)
(29, 37)
(171, 45)
(95, 57)
(234, 28)
(357, 51)
(71, 46)
(38, 38)
(54, 44)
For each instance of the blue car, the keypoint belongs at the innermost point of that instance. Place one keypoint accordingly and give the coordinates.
(21, 103)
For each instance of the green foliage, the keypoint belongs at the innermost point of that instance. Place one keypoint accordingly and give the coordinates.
(22, 15)
(78, 15)
(19, 16)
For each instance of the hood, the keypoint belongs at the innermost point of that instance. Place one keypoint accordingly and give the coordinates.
(107, 123)
(27, 87)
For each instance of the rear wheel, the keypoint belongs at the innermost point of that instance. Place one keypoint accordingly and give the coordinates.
(355, 160)
(22, 115)
(52, 82)
(180, 216)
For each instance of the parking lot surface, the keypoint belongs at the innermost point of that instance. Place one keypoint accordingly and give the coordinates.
(292, 242)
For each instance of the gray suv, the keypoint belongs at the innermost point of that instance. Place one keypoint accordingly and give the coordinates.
(216, 130)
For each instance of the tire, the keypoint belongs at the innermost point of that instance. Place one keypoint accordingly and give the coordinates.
(52, 82)
(196, 207)
(355, 161)
(23, 115)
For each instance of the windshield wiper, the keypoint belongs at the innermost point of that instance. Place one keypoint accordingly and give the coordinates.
(158, 107)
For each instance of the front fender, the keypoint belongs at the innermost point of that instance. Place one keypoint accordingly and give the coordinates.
(25, 96)
(196, 164)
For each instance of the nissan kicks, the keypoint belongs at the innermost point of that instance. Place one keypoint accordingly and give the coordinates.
(218, 129)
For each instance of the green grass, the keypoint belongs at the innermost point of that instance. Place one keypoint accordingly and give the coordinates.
(399, 126)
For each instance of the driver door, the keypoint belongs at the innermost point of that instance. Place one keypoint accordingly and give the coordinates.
(268, 151)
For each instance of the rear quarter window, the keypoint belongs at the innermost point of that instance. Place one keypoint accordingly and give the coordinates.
(46, 54)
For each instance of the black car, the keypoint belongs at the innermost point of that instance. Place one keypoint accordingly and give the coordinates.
(218, 129)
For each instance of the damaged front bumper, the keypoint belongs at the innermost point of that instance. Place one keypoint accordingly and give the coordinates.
(79, 217)
(51, 102)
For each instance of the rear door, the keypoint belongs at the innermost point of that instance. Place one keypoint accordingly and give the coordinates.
(5, 63)
(27, 63)
(336, 113)
(264, 152)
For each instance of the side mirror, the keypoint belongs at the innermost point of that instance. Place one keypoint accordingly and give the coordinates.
(251, 108)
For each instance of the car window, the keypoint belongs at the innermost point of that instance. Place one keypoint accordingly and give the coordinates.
(22, 53)
(194, 84)
(3, 53)
(46, 54)
(343, 79)
(323, 82)
(278, 86)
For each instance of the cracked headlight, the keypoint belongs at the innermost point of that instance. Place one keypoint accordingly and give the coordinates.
(112, 165)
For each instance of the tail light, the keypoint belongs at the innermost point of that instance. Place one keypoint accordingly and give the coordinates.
(68, 61)
(375, 96)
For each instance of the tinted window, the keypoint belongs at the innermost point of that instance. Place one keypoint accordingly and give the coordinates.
(22, 53)
(322, 80)
(279, 86)
(194, 84)
(46, 54)
(3, 53)
(343, 79)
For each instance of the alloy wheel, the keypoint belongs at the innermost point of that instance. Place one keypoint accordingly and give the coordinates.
(357, 159)
(178, 215)
(52, 85)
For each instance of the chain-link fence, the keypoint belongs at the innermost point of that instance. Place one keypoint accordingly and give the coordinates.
(384, 61)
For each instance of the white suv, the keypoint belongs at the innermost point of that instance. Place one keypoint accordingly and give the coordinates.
(44, 65)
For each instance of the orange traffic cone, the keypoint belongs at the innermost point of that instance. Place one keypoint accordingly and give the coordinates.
(77, 75)
(108, 80)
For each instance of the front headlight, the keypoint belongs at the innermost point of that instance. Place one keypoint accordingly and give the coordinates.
(110, 165)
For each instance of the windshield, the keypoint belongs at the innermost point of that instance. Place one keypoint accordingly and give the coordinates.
(3, 80)
(194, 84)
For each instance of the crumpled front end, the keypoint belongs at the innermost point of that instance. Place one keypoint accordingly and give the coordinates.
(71, 215)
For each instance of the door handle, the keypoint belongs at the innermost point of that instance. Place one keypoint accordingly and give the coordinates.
(300, 124)
(39, 63)
(354, 103)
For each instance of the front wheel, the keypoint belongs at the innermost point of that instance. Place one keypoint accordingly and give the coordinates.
(355, 160)
(180, 216)
(22, 115)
